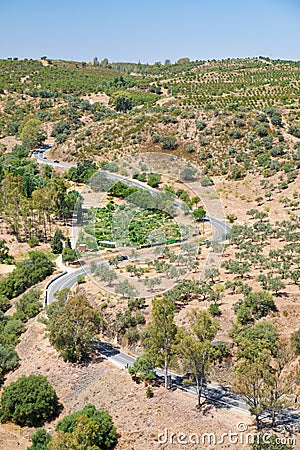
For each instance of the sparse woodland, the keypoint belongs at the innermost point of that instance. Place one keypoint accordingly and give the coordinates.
(239, 122)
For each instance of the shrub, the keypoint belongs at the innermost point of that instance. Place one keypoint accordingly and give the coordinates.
(104, 436)
(188, 172)
(214, 310)
(149, 392)
(200, 125)
(61, 130)
(33, 241)
(168, 143)
(40, 440)
(254, 306)
(29, 305)
(9, 360)
(80, 279)
(294, 131)
(261, 131)
(29, 401)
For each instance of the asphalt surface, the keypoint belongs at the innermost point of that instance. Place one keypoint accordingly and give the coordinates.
(40, 156)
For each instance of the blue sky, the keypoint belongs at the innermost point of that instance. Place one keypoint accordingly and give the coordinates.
(149, 30)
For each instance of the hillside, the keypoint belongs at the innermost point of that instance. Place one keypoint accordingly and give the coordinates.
(238, 122)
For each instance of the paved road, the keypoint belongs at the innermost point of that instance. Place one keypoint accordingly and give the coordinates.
(214, 392)
(68, 279)
(40, 156)
(220, 226)
(220, 395)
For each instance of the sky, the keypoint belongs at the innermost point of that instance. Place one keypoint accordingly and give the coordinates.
(149, 30)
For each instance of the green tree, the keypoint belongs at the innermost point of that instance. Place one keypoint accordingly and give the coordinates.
(73, 326)
(68, 243)
(168, 143)
(29, 305)
(263, 374)
(122, 101)
(160, 338)
(144, 368)
(188, 173)
(27, 273)
(29, 401)
(195, 349)
(154, 179)
(125, 289)
(199, 214)
(69, 255)
(56, 243)
(254, 306)
(105, 274)
(32, 134)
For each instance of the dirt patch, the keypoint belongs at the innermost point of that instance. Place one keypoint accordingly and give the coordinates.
(97, 98)
(13, 437)
(5, 269)
(9, 142)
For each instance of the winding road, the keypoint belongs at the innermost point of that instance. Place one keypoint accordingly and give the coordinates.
(219, 395)
(68, 278)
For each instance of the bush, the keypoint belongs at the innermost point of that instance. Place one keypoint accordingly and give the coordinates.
(29, 305)
(254, 306)
(83, 172)
(261, 131)
(168, 143)
(69, 255)
(188, 173)
(40, 440)
(29, 401)
(149, 392)
(104, 436)
(9, 360)
(275, 117)
(294, 131)
(61, 130)
(200, 125)
(214, 310)
(33, 241)
(80, 279)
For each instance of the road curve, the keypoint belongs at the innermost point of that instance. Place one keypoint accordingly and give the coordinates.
(220, 395)
(68, 279)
